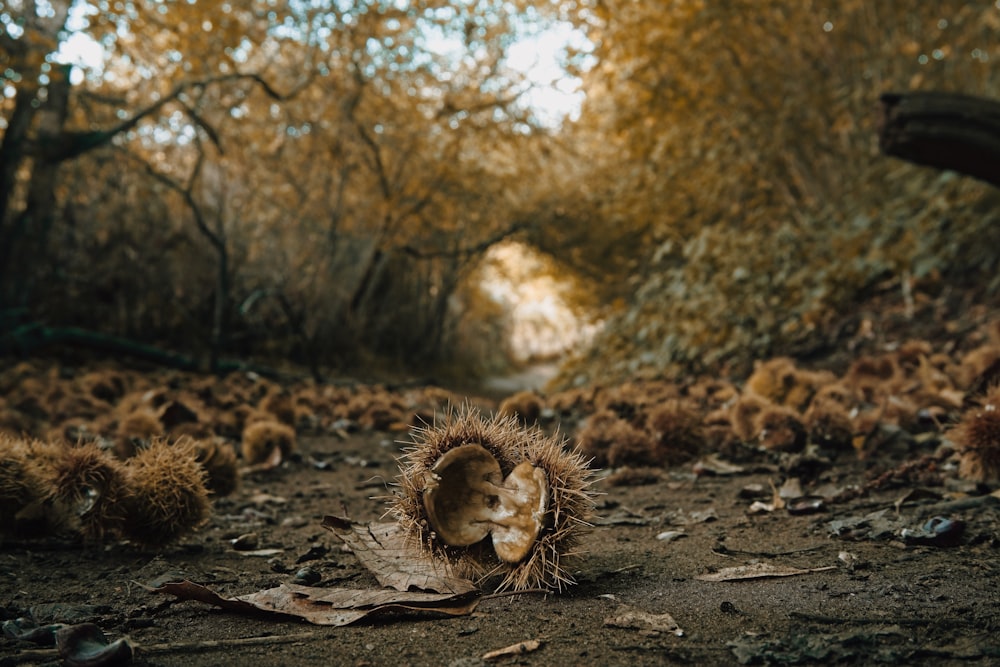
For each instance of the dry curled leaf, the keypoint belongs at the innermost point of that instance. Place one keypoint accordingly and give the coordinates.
(395, 561)
(514, 649)
(326, 606)
(85, 645)
(713, 465)
(342, 606)
(758, 571)
(635, 619)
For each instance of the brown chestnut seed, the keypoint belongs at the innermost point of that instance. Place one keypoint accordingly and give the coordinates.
(467, 499)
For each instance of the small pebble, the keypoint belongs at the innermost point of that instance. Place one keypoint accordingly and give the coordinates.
(670, 535)
(307, 576)
(277, 566)
(246, 542)
(728, 607)
(753, 491)
(315, 552)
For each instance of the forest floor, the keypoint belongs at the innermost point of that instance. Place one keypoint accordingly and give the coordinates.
(862, 594)
(682, 566)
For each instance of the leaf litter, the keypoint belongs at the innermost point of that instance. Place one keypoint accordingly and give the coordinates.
(395, 561)
(335, 606)
(418, 585)
(413, 582)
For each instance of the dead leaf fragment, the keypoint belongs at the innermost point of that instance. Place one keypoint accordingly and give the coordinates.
(776, 499)
(262, 553)
(635, 619)
(704, 516)
(791, 489)
(383, 548)
(342, 606)
(85, 645)
(625, 517)
(514, 649)
(806, 505)
(670, 535)
(758, 571)
(916, 494)
(713, 465)
(326, 606)
(758, 507)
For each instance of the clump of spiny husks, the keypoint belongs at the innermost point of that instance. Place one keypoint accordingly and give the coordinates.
(218, 458)
(167, 494)
(135, 430)
(611, 441)
(24, 484)
(495, 499)
(153, 498)
(781, 382)
(977, 440)
(90, 487)
(267, 443)
(525, 405)
(677, 430)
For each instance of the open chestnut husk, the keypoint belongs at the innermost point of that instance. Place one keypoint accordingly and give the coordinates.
(496, 500)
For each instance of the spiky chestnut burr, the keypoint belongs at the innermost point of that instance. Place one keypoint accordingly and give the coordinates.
(218, 458)
(525, 405)
(829, 425)
(677, 431)
(609, 440)
(89, 487)
(21, 481)
(780, 429)
(267, 442)
(134, 430)
(167, 493)
(977, 440)
(529, 464)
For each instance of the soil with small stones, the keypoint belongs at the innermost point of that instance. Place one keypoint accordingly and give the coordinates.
(865, 599)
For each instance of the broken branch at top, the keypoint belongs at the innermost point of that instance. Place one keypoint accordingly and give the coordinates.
(943, 130)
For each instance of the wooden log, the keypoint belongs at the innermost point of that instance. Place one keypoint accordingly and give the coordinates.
(943, 130)
(30, 338)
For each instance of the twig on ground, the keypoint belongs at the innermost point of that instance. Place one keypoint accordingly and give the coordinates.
(49, 654)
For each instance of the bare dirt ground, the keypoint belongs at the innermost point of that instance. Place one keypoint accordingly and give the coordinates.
(867, 584)
(865, 598)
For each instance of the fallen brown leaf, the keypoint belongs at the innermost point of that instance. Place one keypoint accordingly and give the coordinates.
(758, 571)
(514, 649)
(395, 561)
(713, 465)
(326, 606)
(635, 619)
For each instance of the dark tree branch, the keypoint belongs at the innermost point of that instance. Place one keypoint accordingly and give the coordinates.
(76, 143)
(377, 162)
(186, 191)
(216, 239)
(943, 130)
(213, 135)
(33, 337)
(469, 251)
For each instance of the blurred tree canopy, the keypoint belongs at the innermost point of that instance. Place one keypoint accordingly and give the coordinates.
(321, 180)
(742, 140)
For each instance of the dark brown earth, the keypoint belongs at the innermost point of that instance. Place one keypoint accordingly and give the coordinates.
(868, 594)
(871, 601)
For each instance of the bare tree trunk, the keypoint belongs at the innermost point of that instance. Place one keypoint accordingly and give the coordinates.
(12, 153)
(220, 317)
